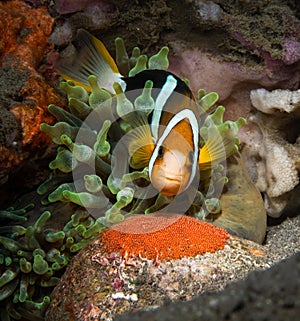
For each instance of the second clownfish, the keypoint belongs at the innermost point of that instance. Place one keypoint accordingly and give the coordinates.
(170, 146)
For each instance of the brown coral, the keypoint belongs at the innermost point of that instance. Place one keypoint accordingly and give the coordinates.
(163, 237)
(24, 92)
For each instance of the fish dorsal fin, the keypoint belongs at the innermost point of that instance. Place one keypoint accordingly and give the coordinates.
(160, 102)
(93, 59)
(140, 144)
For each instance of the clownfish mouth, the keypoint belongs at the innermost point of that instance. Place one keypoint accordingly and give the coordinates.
(168, 184)
(172, 177)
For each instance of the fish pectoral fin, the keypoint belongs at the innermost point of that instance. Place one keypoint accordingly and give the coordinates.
(140, 158)
(214, 150)
(140, 146)
(92, 59)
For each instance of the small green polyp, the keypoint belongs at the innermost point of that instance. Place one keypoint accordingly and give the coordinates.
(58, 129)
(96, 228)
(13, 231)
(64, 161)
(57, 194)
(79, 245)
(124, 197)
(30, 238)
(79, 215)
(81, 153)
(8, 276)
(12, 215)
(216, 117)
(141, 65)
(40, 266)
(11, 245)
(130, 177)
(25, 265)
(64, 116)
(93, 183)
(160, 60)
(122, 59)
(8, 261)
(230, 129)
(145, 102)
(23, 289)
(114, 184)
(41, 221)
(213, 205)
(86, 199)
(102, 146)
(41, 306)
(72, 91)
(79, 108)
(8, 289)
(98, 95)
(206, 101)
(53, 237)
(136, 52)
(124, 105)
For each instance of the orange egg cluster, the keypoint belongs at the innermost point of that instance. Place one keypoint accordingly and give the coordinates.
(163, 237)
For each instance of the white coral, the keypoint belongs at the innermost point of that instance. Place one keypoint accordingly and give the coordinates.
(277, 100)
(272, 160)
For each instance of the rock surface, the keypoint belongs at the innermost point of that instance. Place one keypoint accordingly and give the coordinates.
(273, 294)
(99, 287)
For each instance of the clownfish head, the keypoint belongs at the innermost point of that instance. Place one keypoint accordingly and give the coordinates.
(173, 164)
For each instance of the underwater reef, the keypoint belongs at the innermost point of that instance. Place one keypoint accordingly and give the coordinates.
(220, 50)
(86, 178)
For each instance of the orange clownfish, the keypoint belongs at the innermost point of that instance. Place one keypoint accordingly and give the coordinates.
(170, 145)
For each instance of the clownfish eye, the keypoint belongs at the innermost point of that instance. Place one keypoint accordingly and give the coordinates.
(160, 153)
(191, 156)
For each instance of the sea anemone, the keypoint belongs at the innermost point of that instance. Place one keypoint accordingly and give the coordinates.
(88, 180)
(87, 170)
(33, 257)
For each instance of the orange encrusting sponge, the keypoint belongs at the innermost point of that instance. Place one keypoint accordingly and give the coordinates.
(163, 237)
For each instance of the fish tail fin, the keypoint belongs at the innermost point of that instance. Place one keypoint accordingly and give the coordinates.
(92, 59)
